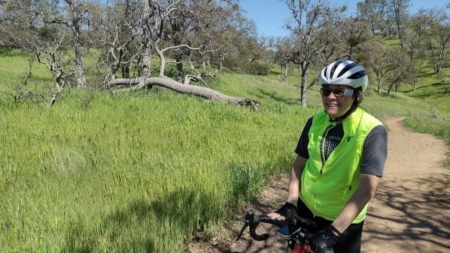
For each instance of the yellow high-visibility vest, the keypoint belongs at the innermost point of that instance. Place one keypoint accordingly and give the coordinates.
(326, 186)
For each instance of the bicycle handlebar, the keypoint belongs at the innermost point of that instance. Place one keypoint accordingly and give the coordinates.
(295, 232)
(253, 221)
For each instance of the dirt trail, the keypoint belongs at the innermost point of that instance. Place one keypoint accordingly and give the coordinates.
(410, 212)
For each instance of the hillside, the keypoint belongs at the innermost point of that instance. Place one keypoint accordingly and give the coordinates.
(149, 171)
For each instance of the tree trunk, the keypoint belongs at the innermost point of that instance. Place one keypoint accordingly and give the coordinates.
(180, 70)
(389, 89)
(171, 84)
(81, 78)
(285, 73)
(222, 58)
(304, 86)
(76, 30)
(147, 59)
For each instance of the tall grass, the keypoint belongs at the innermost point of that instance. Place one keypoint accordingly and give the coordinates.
(147, 171)
(133, 173)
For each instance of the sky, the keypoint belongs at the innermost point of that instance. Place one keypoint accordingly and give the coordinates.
(271, 15)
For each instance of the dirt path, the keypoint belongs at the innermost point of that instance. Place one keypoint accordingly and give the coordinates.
(410, 213)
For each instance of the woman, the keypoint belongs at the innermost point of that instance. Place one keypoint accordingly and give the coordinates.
(340, 157)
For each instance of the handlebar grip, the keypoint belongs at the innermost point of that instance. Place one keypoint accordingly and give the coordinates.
(253, 221)
(267, 219)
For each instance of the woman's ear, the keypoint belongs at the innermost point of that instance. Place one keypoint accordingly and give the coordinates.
(359, 96)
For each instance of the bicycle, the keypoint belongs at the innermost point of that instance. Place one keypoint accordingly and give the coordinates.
(298, 232)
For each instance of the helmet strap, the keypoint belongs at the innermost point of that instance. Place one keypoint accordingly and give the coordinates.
(346, 114)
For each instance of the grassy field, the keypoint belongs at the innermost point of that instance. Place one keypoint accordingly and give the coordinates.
(147, 171)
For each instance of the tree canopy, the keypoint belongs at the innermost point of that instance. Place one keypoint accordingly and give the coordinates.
(174, 43)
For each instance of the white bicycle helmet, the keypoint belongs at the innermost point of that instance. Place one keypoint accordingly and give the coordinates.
(344, 73)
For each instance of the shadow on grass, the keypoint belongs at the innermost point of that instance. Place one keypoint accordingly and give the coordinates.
(438, 89)
(279, 98)
(144, 226)
(8, 52)
(261, 204)
(440, 84)
(274, 72)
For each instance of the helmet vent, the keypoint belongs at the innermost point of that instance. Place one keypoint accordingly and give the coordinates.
(357, 75)
(347, 68)
(336, 64)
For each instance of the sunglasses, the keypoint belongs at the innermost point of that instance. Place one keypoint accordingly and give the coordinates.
(338, 93)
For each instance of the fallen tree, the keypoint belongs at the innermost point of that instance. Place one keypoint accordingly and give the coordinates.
(128, 36)
(119, 55)
(160, 33)
(166, 82)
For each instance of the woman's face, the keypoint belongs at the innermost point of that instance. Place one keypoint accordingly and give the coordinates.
(336, 100)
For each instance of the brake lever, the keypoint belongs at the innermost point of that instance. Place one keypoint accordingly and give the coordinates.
(249, 218)
(253, 221)
(242, 229)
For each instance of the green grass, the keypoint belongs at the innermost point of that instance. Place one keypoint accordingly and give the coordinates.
(133, 172)
(149, 171)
